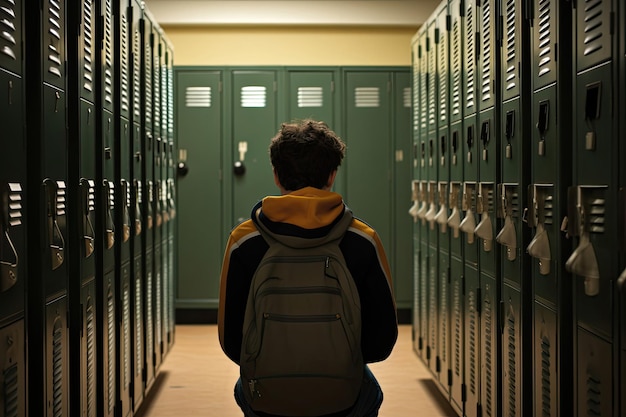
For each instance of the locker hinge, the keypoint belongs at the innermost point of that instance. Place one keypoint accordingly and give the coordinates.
(479, 303)
(436, 36)
(462, 7)
(448, 23)
(449, 377)
(427, 352)
(463, 393)
(427, 44)
(420, 343)
(438, 365)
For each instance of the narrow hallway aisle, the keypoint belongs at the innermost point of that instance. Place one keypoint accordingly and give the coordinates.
(197, 379)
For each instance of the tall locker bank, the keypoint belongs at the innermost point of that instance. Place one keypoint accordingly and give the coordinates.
(592, 207)
(621, 282)
(13, 187)
(46, 89)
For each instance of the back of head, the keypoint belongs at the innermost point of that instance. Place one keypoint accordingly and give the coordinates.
(305, 154)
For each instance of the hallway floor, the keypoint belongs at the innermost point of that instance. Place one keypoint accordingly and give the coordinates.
(197, 379)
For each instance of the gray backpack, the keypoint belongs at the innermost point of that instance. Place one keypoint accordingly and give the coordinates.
(301, 348)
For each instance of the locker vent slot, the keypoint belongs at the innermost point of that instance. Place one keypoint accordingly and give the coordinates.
(149, 316)
(512, 362)
(159, 302)
(511, 70)
(148, 82)
(545, 37)
(110, 349)
(442, 72)
(458, 328)
(54, 46)
(488, 352)
(310, 97)
(57, 369)
(416, 85)
(15, 204)
(91, 196)
(60, 200)
(596, 215)
(124, 90)
(138, 327)
(432, 304)
(126, 330)
(423, 92)
(546, 392)
(443, 317)
(108, 54)
(432, 89)
(8, 43)
(91, 358)
(156, 90)
(253, 96)
(456, 69)
(594, 391)
(548, 210)
(136, 73)
(406, 97)
(198, 97)
(170, 104)
(473, 329)
(424, 297)
(367, 97)
(470, 53)
(88, 45)
(593, 26)
(486, 50)
(11, 391)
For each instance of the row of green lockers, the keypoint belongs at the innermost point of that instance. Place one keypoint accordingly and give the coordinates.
(519, 205)
(87, 184)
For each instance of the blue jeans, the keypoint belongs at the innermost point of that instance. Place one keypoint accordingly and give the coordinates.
(367, 405)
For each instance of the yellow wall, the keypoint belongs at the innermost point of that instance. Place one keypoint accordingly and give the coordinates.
(290, 45)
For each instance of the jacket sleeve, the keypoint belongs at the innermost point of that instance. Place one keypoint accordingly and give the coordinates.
(244, 250)
(369, 267)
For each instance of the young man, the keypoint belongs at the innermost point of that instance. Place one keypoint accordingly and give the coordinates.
(305, 157)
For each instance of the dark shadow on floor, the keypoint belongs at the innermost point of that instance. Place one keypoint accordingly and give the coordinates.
(442, 402)
(153, 393)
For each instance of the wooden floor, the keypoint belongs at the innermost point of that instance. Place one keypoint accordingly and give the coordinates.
(197, 379)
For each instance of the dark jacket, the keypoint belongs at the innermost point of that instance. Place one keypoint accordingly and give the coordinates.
(309, 213)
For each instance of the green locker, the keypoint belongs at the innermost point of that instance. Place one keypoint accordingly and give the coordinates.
(313, 93)
(621, 282)
(550, 156)
(455, 160)
(253, 121)
(199, 131)
(442, 162)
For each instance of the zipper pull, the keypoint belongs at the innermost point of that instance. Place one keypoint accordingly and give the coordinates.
(253, 390)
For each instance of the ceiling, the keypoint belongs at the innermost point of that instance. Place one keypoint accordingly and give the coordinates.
(399, 13)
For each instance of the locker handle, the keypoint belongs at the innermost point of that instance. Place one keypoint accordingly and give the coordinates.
(158, 210)
(542, 126)
(172, 199)
(592, 101)
(109, 234)
(88, 231)
(125, 214)
(137, 189)
(55, 237)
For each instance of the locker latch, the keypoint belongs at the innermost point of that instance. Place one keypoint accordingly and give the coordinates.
(415, 199)
(137, 190)
(454, 221)
(109, 227)
(8, 254)
(484, 229)
(150, 197)
(125, 210)
(55, 207)
(539, 246)
(542, 126)
(172, 198)
(468, 224)
(585, 213)
(87, 201)
(507, 235)
(442, 215)
(432, 206)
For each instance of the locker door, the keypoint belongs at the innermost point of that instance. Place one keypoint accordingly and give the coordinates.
(198, 129)
(456, 158)
(13, 370)
(367, 134)
(254, 122)
(402, 224)
(136, 188)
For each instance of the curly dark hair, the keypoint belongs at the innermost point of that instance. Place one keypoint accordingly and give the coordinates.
(305, 153)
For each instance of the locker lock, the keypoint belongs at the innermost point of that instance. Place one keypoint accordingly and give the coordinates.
(239, 168)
